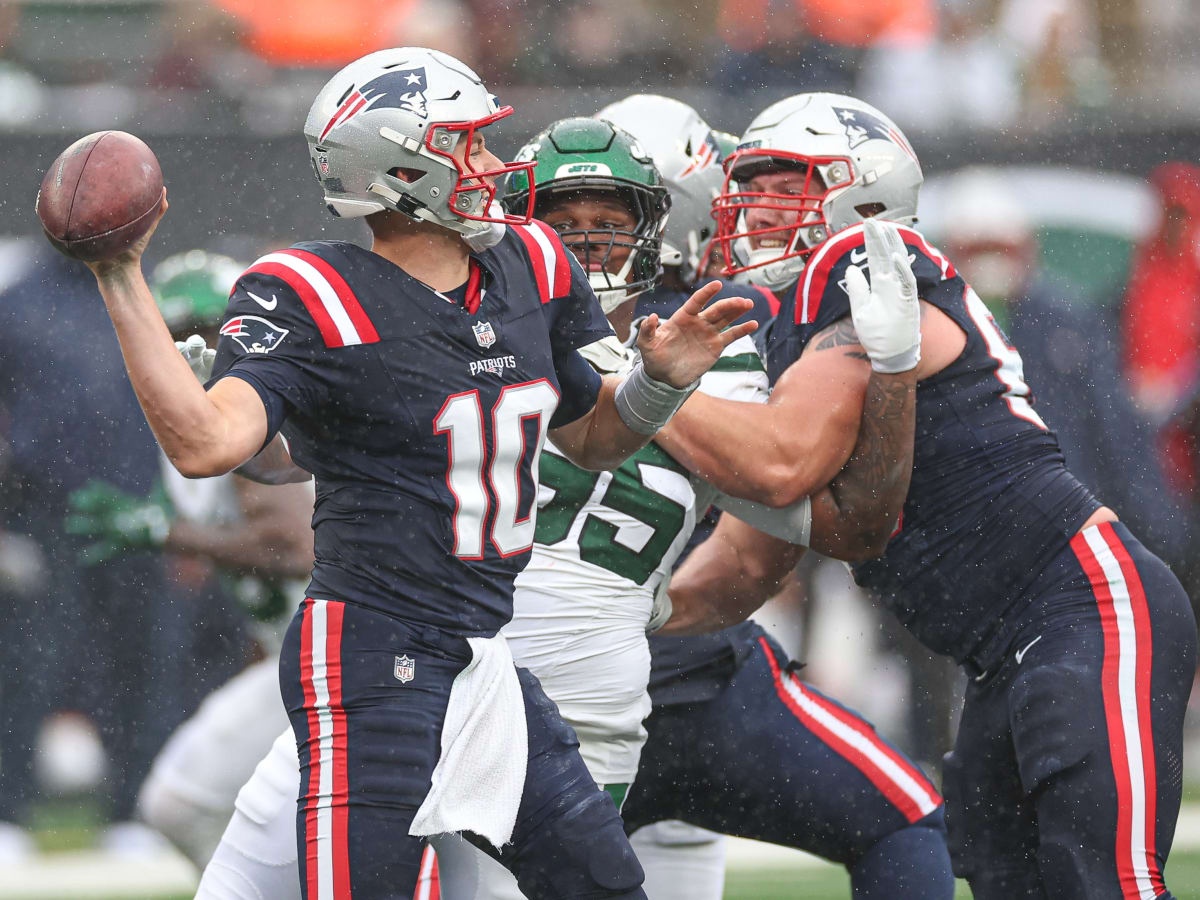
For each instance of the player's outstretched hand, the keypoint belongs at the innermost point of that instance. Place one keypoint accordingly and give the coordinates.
(681, 349)
(198, 355)
(886, 312)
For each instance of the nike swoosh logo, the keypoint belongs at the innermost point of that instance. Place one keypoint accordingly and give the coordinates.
(267, 305)
(1021, 653)
(856, 256)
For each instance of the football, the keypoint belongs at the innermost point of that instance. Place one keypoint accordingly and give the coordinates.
(101, 194)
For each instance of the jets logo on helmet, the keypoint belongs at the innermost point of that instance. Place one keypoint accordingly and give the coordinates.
(578, 157)
(254, 334)
(402, 89)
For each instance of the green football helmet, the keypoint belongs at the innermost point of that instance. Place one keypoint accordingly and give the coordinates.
(192, 288)
(589, 155)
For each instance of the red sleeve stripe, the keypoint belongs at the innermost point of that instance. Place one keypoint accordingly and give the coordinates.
(914, 237)
(551, 267)
(816, 273)
(334, 308)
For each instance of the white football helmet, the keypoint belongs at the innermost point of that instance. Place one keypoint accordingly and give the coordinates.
(382, 133)
(865, 167)
(687, 155)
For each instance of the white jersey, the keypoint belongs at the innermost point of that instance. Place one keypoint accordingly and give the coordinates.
(604, 543)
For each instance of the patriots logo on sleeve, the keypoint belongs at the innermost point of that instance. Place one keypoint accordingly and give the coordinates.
(861, 127)
(402, 89)
(254, 334)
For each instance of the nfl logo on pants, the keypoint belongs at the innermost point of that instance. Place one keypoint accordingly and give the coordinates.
(406, 668)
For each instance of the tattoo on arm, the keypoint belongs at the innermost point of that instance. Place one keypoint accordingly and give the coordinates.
(840, 334)
(871, 489)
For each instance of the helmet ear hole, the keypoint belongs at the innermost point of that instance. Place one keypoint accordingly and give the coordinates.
(868, 210)
(408, 176)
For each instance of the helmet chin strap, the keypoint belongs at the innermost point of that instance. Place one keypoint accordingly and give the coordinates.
(610, 290)
(773, 275)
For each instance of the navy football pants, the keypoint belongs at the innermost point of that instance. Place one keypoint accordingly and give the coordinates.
(1065, 778)
(368, 743)
(771, 758)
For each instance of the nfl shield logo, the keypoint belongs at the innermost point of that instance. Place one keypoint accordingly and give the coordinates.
(484, 334)
(406, 668)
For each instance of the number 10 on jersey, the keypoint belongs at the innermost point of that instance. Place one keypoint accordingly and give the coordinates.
(461, 420)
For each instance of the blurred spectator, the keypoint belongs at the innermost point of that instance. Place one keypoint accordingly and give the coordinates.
(965, 78)
(21, 94)
(1056, 45)
(1161, 312)
(84, 639)
(324, 34)
(1069, 358)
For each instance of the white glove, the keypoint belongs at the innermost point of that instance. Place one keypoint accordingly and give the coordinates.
(198, 356)
(886, 312)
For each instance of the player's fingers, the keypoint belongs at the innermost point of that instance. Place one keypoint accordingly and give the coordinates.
(878, 252)
(725, 311)
(729, 335)
(856, 286)
(208, 357)
(647, 330)
(696, 303)
(904, 276)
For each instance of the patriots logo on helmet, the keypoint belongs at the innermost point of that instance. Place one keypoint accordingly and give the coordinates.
(707, 154)
(862, 126)
(254, 334)
(395, 89)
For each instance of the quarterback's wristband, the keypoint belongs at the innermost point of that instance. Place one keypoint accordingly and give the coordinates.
(646, 405)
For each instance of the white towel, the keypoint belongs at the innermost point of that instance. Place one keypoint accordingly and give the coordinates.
(480, 776)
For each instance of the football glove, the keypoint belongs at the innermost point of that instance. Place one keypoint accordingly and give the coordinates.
(198, 355)
(116, 521)
(886, 312)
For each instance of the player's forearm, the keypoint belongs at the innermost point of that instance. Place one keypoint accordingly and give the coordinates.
(854, 519)
(601, 440)
(192, 430)
(751, 450)
(723, 582)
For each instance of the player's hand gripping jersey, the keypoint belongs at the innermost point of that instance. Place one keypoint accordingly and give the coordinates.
(422, 418)
(988, 480)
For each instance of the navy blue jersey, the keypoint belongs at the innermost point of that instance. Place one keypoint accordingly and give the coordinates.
(991, 502)
(421, 418)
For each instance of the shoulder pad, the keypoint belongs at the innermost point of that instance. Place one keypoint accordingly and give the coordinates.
(821, 283)
(326, 296)
(549, 259)
(608, 355)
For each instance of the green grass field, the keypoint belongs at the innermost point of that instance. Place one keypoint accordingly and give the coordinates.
(1183, 877)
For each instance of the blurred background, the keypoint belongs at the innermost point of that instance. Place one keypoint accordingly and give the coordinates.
(1061, 145)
